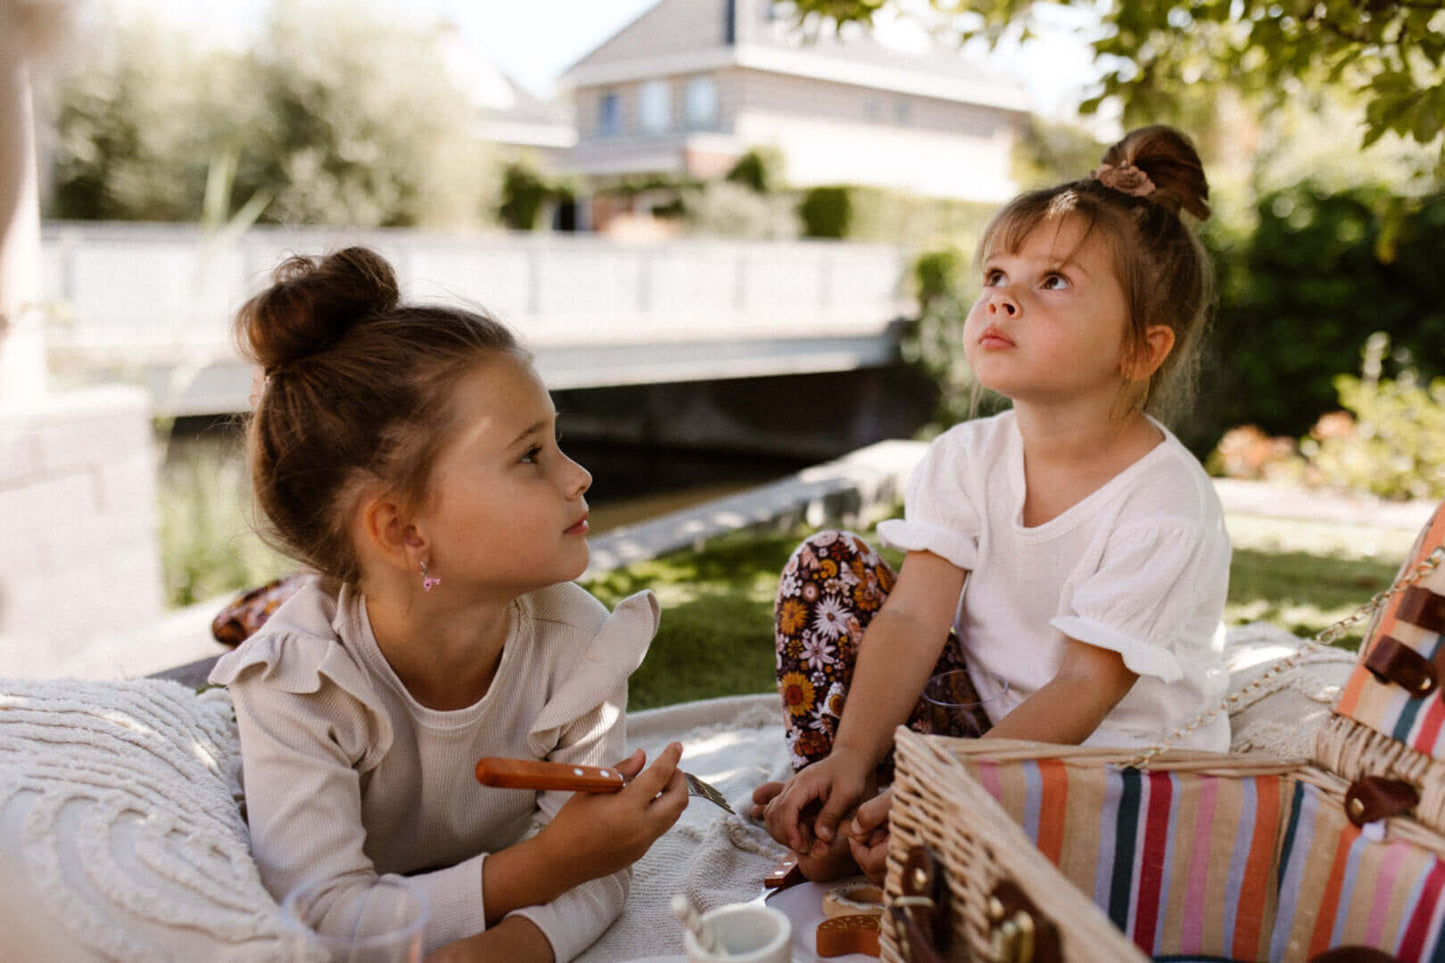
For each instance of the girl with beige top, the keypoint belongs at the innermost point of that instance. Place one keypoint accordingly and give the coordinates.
(408, 454)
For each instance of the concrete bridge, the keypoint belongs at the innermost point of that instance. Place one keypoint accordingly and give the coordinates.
(154, 303)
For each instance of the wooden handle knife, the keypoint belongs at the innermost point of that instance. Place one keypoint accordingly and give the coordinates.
(532, 774)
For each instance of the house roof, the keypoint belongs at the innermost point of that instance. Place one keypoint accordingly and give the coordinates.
(685, 36)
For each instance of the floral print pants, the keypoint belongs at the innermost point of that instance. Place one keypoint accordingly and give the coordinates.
(831, 588)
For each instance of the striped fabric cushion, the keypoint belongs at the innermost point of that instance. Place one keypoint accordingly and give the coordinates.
(1191, 865)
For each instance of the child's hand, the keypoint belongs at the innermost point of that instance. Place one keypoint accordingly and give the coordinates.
(868, 836)
(601, 833)
(836, 782)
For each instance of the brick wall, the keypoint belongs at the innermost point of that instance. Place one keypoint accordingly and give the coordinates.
(78, 551)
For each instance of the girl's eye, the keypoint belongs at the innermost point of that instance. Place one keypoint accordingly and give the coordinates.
(530, 457)
(1055, 282)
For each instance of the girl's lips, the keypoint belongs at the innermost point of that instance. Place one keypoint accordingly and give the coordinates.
(993, 338)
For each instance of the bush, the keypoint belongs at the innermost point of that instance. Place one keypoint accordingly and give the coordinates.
(727, 209)
(524, 192)
(826, 212)
(1298, 296)
(207, 543)
(1395, 447)
(757, 170)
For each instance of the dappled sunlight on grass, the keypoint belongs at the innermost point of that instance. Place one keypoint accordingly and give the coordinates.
(717, 605)
(1305, 576)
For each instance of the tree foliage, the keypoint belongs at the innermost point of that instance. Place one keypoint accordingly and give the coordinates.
(1153, 52)
(339, 116)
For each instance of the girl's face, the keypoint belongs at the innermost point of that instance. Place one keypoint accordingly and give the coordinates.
(506, 510)
(1051, 323)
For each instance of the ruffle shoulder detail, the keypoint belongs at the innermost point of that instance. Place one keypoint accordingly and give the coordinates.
(600, 671)
(302, 664)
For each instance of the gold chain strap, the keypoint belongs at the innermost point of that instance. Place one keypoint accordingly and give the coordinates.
(1326, 637)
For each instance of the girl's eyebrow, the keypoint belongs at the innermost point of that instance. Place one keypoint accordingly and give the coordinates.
(530, 430)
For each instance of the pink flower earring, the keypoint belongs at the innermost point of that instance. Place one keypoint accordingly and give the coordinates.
(428, 582)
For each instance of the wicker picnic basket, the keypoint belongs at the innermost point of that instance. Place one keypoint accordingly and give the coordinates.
(1015, 851)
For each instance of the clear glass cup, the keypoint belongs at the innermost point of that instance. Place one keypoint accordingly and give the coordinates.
(955, 707)
(386, 927)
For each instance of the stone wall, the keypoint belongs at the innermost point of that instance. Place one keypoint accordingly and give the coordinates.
(78, 553)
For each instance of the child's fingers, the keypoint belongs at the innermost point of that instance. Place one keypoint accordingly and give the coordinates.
(871, 854)
(871, 815)
(633, 764)
(655, 777)
(834, 808)
(784, 814)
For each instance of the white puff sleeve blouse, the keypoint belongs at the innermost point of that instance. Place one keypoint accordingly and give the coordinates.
(1140, 566)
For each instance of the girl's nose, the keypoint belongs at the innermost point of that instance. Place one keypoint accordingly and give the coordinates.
(1002, 303)
(580, 480)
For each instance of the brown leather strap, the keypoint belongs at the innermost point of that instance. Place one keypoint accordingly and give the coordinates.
(921, 911)
(1393, 662)
(1375, 797)
(913, 940)
(1422, 607)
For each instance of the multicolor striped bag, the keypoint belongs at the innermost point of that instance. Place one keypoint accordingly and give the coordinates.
(1192, 856)
(1389, 722)
(1201, 857)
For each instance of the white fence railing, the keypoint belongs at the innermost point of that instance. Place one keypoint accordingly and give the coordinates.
(152, 293)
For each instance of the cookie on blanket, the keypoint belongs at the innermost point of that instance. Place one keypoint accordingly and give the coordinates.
(855, 933)
(853, 897)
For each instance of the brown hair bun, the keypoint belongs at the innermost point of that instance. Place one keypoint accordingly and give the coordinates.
(1169, 159)
(313, 303)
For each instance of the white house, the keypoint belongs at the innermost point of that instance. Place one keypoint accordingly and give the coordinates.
(691, 84)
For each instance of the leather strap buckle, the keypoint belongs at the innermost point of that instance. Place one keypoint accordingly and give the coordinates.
(1374, 797)
(1020, 933)
(1422, 607)
(1393, 662)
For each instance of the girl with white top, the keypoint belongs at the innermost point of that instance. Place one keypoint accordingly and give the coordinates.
(1070, 552)
(408, 454)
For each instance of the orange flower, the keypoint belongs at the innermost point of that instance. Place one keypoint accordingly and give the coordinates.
(792, 616)
(867, 597)
(797, 693)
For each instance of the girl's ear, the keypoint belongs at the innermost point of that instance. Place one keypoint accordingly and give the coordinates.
(1149, 353)
(386, 533)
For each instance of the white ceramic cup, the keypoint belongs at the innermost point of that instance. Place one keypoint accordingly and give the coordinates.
(744, 933)
(387, 926)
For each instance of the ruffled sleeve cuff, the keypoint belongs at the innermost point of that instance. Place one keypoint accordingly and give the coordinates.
(601, 671)
(912, 535)
(1141, 658)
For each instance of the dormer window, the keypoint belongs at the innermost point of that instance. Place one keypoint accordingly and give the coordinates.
(700, 103)
(609, 115)
(654, 107)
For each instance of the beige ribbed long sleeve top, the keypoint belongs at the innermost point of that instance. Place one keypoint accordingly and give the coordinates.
(348, 778)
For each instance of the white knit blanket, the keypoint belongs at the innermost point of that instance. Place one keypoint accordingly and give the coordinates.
(121, 838)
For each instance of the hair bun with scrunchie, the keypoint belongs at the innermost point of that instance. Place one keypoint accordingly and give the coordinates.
(312, 303)
(1160, 165)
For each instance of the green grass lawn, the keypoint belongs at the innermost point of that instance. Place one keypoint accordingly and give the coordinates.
(716, 634)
